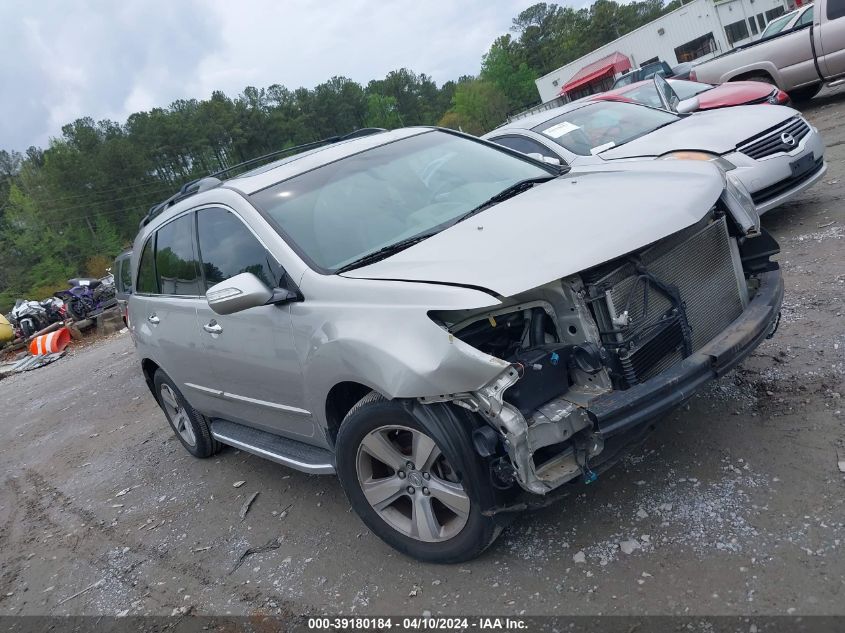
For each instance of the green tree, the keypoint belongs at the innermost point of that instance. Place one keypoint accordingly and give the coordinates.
(504, 66)
(382, 111)
(479, 106)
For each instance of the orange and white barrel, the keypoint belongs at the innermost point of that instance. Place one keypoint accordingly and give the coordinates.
(50, 343)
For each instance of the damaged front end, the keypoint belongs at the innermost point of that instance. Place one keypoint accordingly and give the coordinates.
(595, 356)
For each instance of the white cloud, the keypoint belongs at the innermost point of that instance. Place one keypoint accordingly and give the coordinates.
(106, 60)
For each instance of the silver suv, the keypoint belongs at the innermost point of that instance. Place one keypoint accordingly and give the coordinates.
(454, 328)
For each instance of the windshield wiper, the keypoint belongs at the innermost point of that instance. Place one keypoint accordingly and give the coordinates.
(392, 249)
(514, 190)
(385, 252)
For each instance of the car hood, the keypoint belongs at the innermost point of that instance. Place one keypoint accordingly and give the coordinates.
(718, 131)
(734, 93)
(561, 227)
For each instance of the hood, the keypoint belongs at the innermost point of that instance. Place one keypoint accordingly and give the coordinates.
(718, 131)
(561, 227)
(734, 93)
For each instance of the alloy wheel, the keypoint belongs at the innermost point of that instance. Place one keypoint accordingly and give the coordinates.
(177, 415)
(407, 480)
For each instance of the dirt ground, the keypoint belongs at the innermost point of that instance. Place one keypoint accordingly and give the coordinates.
(736, 502)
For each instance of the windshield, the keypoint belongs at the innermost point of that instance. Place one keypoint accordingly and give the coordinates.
(688, 89)
(776, 26)
(599, 126)
(342, 211)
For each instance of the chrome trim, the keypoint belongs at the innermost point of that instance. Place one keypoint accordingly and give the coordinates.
(796, 123)
(265, 403)
(313, 469)
(212, 392)
(261, 403)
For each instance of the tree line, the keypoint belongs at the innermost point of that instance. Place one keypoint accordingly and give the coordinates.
(70, 208)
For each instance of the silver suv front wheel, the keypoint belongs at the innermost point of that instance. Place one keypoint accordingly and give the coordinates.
(410, 484)
(411, 474)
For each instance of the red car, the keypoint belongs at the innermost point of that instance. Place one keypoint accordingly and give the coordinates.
(733, 93)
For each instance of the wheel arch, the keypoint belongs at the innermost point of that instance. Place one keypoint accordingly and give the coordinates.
(339, 401)
(148, 368)
(748, 72)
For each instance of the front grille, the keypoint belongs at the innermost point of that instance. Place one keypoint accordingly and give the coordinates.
(771, 142)
(773, 191)
(701, 268)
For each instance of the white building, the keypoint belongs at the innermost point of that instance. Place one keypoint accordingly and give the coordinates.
(698, 30)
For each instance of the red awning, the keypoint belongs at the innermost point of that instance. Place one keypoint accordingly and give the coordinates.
(610, 65)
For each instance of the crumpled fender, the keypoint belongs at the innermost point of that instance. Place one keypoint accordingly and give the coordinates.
(379, 334)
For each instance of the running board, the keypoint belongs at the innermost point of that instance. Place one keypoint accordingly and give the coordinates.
(291, 453)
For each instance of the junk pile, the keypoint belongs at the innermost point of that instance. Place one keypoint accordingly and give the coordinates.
(43, 350)
(45, 328)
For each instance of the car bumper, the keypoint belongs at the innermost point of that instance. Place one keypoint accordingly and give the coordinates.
(621, 411)
(770, 180)
(800, 185)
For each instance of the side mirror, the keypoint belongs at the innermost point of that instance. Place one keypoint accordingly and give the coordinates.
(688, 105)
(238, 293)
(549, 160)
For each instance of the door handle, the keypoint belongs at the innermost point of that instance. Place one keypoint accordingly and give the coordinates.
(213, 327)
(153, 319)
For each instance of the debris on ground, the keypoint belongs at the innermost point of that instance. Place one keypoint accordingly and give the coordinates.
(29, 363)
(245, 507)
(79, 593)
(238, 484)
(270, 545)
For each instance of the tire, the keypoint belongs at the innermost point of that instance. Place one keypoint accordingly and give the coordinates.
(418, 523)
(804, 94)
(190, 427)
(77, 310)
(27, 328)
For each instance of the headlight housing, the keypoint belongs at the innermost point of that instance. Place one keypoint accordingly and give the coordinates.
(724, 164)
(778, 97)
(741, 205)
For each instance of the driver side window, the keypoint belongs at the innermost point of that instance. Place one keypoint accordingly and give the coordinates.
(227, 248)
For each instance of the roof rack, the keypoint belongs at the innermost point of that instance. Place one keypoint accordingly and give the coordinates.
(214, 179)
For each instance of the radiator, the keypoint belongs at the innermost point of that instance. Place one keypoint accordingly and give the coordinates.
(700, 264)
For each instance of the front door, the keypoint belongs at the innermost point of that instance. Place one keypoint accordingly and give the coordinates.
(830, 39)
(250, 354)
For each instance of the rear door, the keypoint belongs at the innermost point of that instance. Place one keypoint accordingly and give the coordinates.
(250, 353)
(165, 307)
(830, 38)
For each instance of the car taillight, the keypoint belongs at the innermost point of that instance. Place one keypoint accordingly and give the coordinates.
(692, 76)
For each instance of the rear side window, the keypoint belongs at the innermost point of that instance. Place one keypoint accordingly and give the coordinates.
(835, 9)
(146, 269)
(124, 275)
(525, 145)
(176, 261)
(229, 248)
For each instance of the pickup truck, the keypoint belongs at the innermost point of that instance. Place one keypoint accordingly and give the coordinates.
(800, 61)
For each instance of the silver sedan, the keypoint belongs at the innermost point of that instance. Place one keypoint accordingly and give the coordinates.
(772, 150)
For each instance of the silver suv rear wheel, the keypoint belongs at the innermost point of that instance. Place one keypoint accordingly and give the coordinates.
(176, 414)
(189, 425)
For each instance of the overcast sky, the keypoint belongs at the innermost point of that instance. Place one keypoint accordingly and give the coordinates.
(64, 60)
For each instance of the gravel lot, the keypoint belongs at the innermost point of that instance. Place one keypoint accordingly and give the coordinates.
(734, 506)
